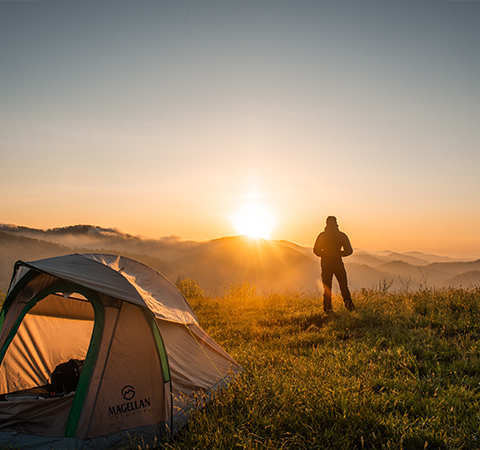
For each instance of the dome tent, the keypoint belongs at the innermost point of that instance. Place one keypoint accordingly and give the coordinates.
(140, 356)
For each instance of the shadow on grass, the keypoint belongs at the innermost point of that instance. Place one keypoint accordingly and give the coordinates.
(302, 322)
(316, 320)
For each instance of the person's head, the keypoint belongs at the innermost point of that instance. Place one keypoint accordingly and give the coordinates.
(331, 224)
(331, 220)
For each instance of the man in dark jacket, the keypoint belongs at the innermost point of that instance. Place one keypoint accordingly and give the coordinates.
(331, 245)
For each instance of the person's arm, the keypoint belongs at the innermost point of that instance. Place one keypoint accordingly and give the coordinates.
(318, 247)
(347, 247)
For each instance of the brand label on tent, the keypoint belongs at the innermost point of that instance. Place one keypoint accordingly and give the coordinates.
(130, 404)
(128, 392)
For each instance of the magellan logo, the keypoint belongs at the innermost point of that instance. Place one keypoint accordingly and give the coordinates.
(128, 393)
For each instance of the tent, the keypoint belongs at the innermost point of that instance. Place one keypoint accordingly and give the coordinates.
(96, 350)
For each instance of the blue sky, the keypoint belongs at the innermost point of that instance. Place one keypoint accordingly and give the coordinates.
(167, 118)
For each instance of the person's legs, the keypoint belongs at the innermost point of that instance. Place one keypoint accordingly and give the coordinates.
(341, 275)
(327, 277)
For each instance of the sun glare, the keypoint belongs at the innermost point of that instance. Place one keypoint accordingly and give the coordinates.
(254, 220)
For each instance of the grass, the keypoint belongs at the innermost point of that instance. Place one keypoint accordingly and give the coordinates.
(400, 372)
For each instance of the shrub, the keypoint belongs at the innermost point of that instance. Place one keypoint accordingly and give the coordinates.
(190, 288)
(244, 291)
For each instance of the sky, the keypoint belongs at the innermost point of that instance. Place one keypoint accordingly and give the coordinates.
(165, 118)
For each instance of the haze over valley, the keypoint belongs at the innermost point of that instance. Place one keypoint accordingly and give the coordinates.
(269, 265)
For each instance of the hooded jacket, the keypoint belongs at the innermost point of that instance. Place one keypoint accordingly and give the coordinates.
(331, 245)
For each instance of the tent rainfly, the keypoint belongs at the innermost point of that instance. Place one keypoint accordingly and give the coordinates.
(96, 350)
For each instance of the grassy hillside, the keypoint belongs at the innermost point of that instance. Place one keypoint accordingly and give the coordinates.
(401, 372)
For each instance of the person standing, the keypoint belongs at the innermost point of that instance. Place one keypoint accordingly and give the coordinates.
(331, 245)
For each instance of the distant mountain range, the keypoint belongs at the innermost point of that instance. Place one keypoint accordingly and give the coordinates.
(272, 266)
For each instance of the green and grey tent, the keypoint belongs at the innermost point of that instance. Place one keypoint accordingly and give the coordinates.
(142, 360)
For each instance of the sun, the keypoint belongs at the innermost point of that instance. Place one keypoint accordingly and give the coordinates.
(254, 220)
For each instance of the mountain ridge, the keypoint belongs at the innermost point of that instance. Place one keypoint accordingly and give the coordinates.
(270, 265)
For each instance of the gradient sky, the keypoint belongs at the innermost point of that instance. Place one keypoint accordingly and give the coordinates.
(166, 118)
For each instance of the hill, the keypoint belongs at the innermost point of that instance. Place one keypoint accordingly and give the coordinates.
(272, 266)
(14, 248)
(269, 265)
(470, 278)
(215, 265)
(92, 238)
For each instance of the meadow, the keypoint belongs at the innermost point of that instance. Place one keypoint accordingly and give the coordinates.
(400, 372)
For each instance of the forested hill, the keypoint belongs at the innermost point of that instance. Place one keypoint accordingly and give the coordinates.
(14, 248)
(272, 266)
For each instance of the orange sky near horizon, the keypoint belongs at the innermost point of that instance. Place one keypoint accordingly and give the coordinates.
(366, 233)
(164, 119)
